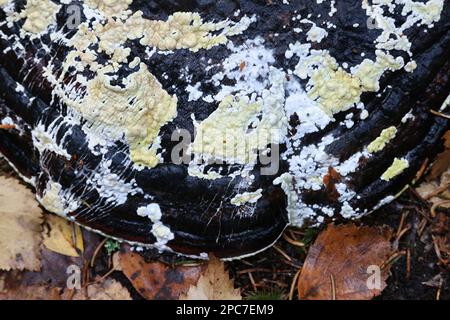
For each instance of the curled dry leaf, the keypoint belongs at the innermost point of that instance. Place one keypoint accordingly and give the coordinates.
(214, 284)
(345, 263)
(20, 227)
(156, 280)
(62, 236)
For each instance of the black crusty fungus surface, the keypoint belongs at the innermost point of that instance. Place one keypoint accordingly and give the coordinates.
(199, 212)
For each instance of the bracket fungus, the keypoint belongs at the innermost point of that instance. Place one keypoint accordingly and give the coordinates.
(98, 99)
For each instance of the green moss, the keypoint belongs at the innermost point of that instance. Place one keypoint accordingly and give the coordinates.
(112, 246)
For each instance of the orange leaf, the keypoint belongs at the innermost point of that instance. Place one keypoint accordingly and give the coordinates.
(156, 280)
(345, 263)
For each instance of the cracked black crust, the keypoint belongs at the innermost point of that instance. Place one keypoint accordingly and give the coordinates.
(192, 207)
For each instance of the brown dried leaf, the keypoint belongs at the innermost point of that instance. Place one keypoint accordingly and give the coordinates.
(442, 162)
(156, 280)
(60, 235)
(440, 165)
(108, 289)
(55, 267)
(446, 138)
(439, 188)
(214, 284)
(31, 293)
(337, 264)
(20, 227)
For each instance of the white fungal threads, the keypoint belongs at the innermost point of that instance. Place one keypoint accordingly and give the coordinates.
(57, 200)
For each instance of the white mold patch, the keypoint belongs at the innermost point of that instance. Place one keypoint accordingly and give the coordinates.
(161, 232)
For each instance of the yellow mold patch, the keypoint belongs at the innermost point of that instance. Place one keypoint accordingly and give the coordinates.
(182, 30)
(224, 134)
(397, 167)
(380, 142)
(138, 110)
(333, 87)
(337, 90)
(238, 128)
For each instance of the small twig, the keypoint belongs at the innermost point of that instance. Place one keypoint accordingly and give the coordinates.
(422, 226)
(278, 283)
(400, 235)
(438, 293)
(436, 191)
(292, 241)
(294, 232)
(7, 126)
(252, 281)
(292, 264)
(97, 250)
(422, 169)
(247, 263)
(255, 270)
(408, 263)
(392, 259)
(333, 287)
(294, 284)
(440, 114)
(98, 280)
(284, 254)
(425, 215)
(402, 222)
(438, 251)
(437, 205)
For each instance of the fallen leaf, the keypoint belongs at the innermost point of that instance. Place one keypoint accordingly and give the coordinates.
(56, 269)
(438, 187)
(442, 161)
(31, 293)
(20, 227)
(62, 236)
(156, 280)
(214, 284)
(341, 262)
(108, 289)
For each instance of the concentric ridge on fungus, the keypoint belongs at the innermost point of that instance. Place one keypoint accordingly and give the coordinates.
(337, 94)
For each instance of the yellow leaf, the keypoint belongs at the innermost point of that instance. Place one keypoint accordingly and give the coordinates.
(62, 236)
(214, 284)
(20, 227)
